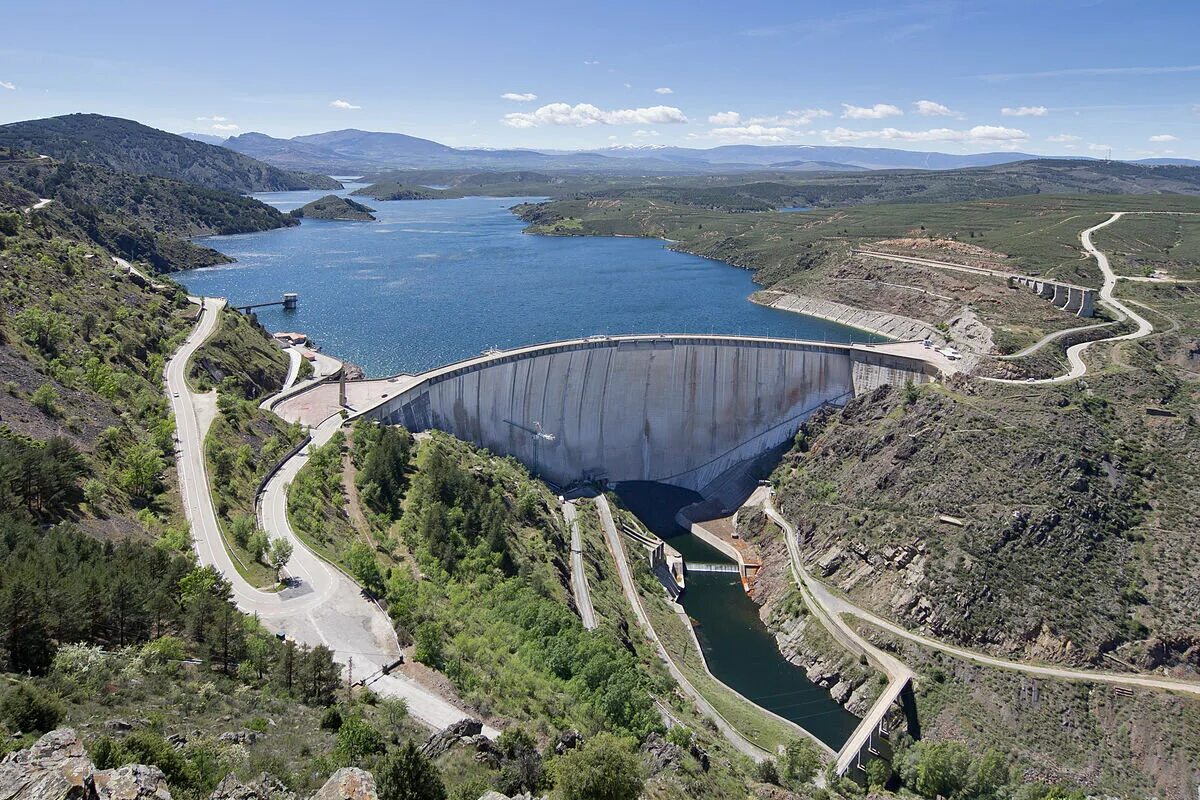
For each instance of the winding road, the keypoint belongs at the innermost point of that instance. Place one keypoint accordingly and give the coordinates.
(1075, 352)
(836, 607)
(322, 606)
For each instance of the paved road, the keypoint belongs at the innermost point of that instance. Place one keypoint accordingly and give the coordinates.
(617, 548)
(41, 203)
(1050, 337)
(294, 361)
(825, 607)
(579, 583)
(836, 606)
(1077, 367)
(325, 606)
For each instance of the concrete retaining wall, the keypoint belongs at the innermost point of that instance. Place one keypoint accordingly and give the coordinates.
(677, 409)
(1078, 300)
(893, 326)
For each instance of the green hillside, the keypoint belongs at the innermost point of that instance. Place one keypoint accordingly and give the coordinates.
(129, 146)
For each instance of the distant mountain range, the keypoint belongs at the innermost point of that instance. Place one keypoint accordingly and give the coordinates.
(351, 150)
(128, 146)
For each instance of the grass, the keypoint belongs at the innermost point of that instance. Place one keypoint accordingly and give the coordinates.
(1139, 244)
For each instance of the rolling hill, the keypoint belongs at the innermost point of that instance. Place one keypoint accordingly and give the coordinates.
(129, 146)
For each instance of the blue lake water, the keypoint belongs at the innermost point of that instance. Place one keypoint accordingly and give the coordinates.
(436, 281)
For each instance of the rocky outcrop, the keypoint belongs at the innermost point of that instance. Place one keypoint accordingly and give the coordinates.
(57, 767)
(348, 783)
(264, 787)
(131, 782)
(451, 735)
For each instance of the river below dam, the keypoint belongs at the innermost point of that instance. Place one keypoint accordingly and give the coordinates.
(436, 281)
(739, 649)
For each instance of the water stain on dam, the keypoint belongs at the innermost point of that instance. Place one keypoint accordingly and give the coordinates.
(739, 649)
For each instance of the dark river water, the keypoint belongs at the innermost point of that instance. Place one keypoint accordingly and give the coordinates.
(436, 281)
(737, 645)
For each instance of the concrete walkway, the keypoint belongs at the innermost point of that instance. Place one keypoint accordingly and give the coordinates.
(323, 606)
(617, 548)
(579, 582)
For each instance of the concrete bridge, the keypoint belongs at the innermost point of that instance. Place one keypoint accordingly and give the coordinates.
(1077, 300)
(678, 409)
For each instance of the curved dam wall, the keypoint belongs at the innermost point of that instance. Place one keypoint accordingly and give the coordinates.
(673, 409)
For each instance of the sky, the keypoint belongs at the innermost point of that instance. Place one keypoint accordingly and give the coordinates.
(1055, 77)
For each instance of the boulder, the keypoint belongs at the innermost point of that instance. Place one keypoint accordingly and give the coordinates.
(348, 783)
(264, 787)
(568, 740)
(56, 767)
(131, 782)
(451, 735)
(660, 755)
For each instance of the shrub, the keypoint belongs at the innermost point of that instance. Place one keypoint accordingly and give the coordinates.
(26, 707)
(405, 774)
(799, 762)
(45, 398)
(606, 768)
(356, 740)
(331, 719)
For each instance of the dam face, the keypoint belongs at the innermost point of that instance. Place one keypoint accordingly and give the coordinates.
(676, 409)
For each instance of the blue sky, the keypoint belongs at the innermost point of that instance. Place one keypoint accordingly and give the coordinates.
(1052, 76)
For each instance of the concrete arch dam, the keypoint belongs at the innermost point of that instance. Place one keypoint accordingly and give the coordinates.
(673, 409)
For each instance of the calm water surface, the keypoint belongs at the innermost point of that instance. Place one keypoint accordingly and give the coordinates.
(436, 281)
(737, 645)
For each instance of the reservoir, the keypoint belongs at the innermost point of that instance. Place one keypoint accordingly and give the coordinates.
(436, 281)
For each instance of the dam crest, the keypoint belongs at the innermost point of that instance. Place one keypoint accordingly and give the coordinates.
(677, 409)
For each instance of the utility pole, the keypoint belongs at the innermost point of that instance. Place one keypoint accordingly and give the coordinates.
(349, 678)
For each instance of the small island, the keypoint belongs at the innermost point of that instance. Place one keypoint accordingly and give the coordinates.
(394, 190)
(333, 207)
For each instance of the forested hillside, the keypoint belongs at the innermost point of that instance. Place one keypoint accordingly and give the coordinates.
(138, 217)
(128, 146)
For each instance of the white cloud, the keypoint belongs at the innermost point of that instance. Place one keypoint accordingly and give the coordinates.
(980, 134)
(8, 85)
(520, 97)
(928, 108)
(751, 133)
(877, 111)
(1164, 137)
(584, 114)
(663, 90)
(345, 105)
(591, 63)
(643, 134)
(1099, 148)
(1063, 138)
(1025, 111)
(224, 126)
(212, 119)
(725, 118)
